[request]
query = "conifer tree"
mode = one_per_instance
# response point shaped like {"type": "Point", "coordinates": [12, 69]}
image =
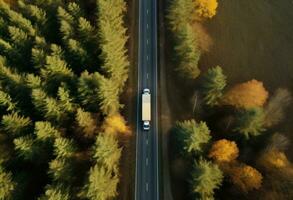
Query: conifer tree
{"type": "Point", "coordinates": [56, 192]}
{"type": "Point", "coordinates": [7, 186]}
{"type": "Point", "coordinates": [33, 12]}
{"type": "Point", "coordinates": [107, 152]}
{"type": "Point", "coordinates": [186, 48]}
{"type": "Point", "coordinates": [192, 136]}
{"type": "Point", "coordinates": [16, 19]}
{"type": "Point", "coordinates": [250, 122]}
{"type": "Point", "coordinates": [86, 122]}
{"type": "Point", "coordinates": [74, 9]}
{"type": "Point", "coordinates": [101, 184]}
{"type": "Point", "coordinates": [206, 177]}
{"type": "Point", "coordinates": [18, 37]}
{"type": "Point", "coordinates": [45, 131]}
{"type": "Point", "coordinates": [7, 102]}
{"type": "Point", "coordinates": [5, 47]}
{"type": "Point", "coordinates": [66, 21]}
{"type": "Point", "coordinates": [64, 148]}
{"type": "Point", "coordinates": [78, 53]}
{"type": "Point", "coordinates": [65, 101]}
{"type": "Point", "coordinates": [86, 31]}
{"type": "Point", "coordinates": [15, 124]}
{"type": "Point", "coordinates": [26, 147]}
{"type": "Point", "coordinates": [60, 169]}
{"type": "Point", "coordinates": [213, 84]}
{"type": "Point", "coordinates": [33, 81]}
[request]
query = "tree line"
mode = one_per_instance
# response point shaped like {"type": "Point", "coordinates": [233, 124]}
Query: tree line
{"type": "Point", "coordinates": [61, 75]}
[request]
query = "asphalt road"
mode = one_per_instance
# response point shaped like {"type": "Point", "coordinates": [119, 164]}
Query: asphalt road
{"type": "Point", "coordinates": [147, 168]}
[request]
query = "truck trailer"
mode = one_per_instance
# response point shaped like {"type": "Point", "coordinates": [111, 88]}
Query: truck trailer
{"type": "Point", "coordinates": [146, 109]}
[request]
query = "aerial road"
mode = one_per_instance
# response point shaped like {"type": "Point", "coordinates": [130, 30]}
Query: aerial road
{"type": "Point", "coordinates": [147, 167]}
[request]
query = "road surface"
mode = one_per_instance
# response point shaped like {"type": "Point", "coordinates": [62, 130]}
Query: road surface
{"type": "Point", "coordinates": [147, 168]}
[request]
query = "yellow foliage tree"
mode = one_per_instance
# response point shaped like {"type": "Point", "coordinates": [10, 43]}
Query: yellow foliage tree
{"type": "Point", "coordinates": [246, 95]}
{"type": "Point", "coordinates": [206, 8]}
{"type": "Point", "coordinates": [245, 177]}
{"type": "Point", "coordinates": [273, 159]}
{"type": "Point", "coordinates": [224, 151]}
{"type": "Point", "coordinates": [115, 124]}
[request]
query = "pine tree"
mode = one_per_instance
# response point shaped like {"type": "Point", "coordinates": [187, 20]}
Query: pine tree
{"type": "Point", "coordinates": [5, 47]}
{"type": "Point", "coordinates": [250, 122]}
{"type": "Point", "coordinates": [187, 50]}
{"type": "Point", "coordinates": [45, 131]}
{"type": "Point", "coordinates": [39, 53]}
{"type": "Point", "coordinates": [7, 186]}
{"type": "Point", "coordinates": [78, 53]}
{"type": "Point", "coordinates": [56, 192]}
{"type": "Point", "coordinates": [213, 84]}
{"type": "Point", "coordinates": [113, 38]}
{"type": "Point", "coordinates": [33, 81]}
{"type": "Point", "coordinates": [60, 169]}
{"type": "Point", "coordinates": [65, 101]}
{"type": "Point", "coordinates": [107, 152]}
{"type": "Point", "coordinates": [86, 122]}
{"type": "Point", "coordinates": [18, 37]}
{"type": "Point", "coordinates": [180, 12]}
{"type": "Point", "coordinates": [75, 10]}
{"type": "Point", "coordinates": [66, 24]}
{"type": "Point", "coordinates": [192, 136]}
{"type": "Point", "coordinates": [16, 19]}
{"type": "Point", "coordinates": [33, 12]}
{"type": "Point", "coordinates": [15, 124]}
{"type": "Point", "coordinates": [88, 91]}
{"type": "Point", "coordinates": [26, 147]}
{"type": "Point", "coordinates": [7, 102]}
{"type": "Point", "coordinates": [206, 177]}
{"type": "Point", "coordinates": [64, 148]}
{"type": "Point", "coordinates": [101, 184]}
{"type": "Point", "coordinates": [86, 31]}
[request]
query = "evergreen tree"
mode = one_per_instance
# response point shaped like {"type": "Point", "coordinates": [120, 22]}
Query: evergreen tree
{"type": "Point", "coordinates": [75, 10]}
{"type": "Point", "coordinates": [45, 131]}
{"type": "Point", "coordinates": [5, 47]}
{"type": "Point", "coordinates": [65, 101]}
{"type": "Point", "coordinates": [7, 102]}
{"type": "Point", "coordinates": [39, 53]}
{"type": "Point", "coordinates": [107, 152]}
{"type": "Point", "coordinates": [60, 169]}
{"type": "Point", "coordinates": [186, 48]}
{"type": "Point", "coordinates": [192, 136]}
{"type": "Point", "coordinates": [56, 192]}
{"type": "Point", "coordinates": [108, 96]}
{"type": "Point", "coordinates": [16, 19]}
{"type": "Point", "coordinates": [180, 13]}
{"type": "Point", "coordinates": [7, 186]}
{"type": "Point", "coordinates": [64, 148]}
{"type": "Point", "coordinates": [86, 31]}
{"type": "Point", "coordinates": [250, 122]}
{"type": "Point", "coordinates": [206, 177]}
{"type": "Point", "coordinates": [15, 124]}
{"type": "Point", "coordinates": [33, 81]}
{"type": "Point", "coordinates": [77, 52]}
{"type": "Point", "coordinates": [26, 147]}
{"type": "Point", "coordinates": [18, 37]}
{"type": "Point", "coordinates": [66, 23]}
{"type": "Point", "coordinates": [101, 184]}
{"type": "Point", "coordinates": [33, 12]}
{"type": "Point", "coordinates": [86, 122]}
{"type": "Point", "coordinates": [113, 38]}
{"type": "Point", "coordinates": [213, 84]}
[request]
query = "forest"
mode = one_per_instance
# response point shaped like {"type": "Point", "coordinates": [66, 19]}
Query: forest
{"type": "Point", "coordinates": [231, 147]}
{"type": "Point", "coordinates": [63, 68]}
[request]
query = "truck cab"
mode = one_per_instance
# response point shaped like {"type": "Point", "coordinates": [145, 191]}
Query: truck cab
{"type": "Point", "coordinates": [146, 109]}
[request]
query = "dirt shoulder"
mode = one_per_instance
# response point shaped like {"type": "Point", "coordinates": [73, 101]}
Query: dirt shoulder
{"type": "Point", "coordinates": [127, 180]}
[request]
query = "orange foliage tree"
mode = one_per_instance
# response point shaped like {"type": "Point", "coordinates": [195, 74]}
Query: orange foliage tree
{"type": "Point", "coordinates": [224, 151]}
{"type": "Point", "coordinates": [206, 8]}
{"type": "Point", "coordinates": [115, 124]}
{"type": "Point", "coordinates": [245, 177]}
{"type": "Point", "coordinates": [246, 95]}
{"type": "Point", "coordinates": [273, 159]}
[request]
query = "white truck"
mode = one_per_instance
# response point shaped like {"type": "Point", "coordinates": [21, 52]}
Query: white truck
{"type": "Point", "coordinates": [146, 109]}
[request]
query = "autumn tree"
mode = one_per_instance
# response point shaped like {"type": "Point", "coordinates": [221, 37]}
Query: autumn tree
{"type": "Point", "coordinates": [246, 95]}
{"type": "Point", "coordinates": [115, 124]}
{"type": "Point", "coordinates": [224, 151]}
{"type": "Point", "coordinates": [7, 185]}
{"type": "Point", "coordinates": [206, 8]}
{"type": "Point", "coordinates": [250, 122]}
{"type": "Point", "coordinates": [246, 177]}
{"type": "Point", "coordinates": [192, 136]}
{"type": "Point", "coordinates": [206, 177]}
{"type": "Point", "coordinates": [273, 159]}
{"type": "Point", "coordinates": [213, 84]}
